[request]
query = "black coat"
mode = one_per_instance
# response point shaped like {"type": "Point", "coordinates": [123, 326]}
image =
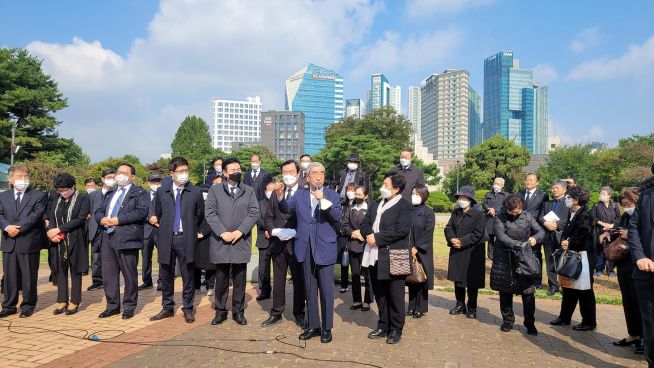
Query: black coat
{"type": "Point", "coordinates": [413, 175]}
{"type": "Point", "coordinates": [394, 225]}
{"type": "Point", "coordinates": [511, 235]}
{"type": "Point", "coordinates": [360, 178]}
{"type": "Point", "coordinates": [258, 184]}
{"type": "Point", "coordinates": [351, 221]}
{"type": "Point", "coordinates": [625, 263]}
{"type": "Point", "coordinates": [467, 265]}
{"type": "Point", "coordinates": [191, 214]}
{"type": "Point", "coordinates": [422, 237]}
{"type": "Point", "coordinates": [29, 217]}
{"type": "Point", "coordinates": [535, 203]}
{"type": "Point", "coordinates": [562, 212]}
{"type": "Point", "coordinates": [262, 242]}
{"type": "Point", "coordinates": [203, 249]}
{"type": "Point", "coordinates": [601, 212]}
{"type": "Point", "coordinates": [274, 218]}
{"type": "Point", "coordinates": [641, 229]}
{"type": "Point", "coordinates": [580, 234]}
{"type": "Point", "coordinates": [131, 217]}
{"type": "Point", "coordinates": [75, 233]}
{"type": "Point", "coordinates": [495, 201]}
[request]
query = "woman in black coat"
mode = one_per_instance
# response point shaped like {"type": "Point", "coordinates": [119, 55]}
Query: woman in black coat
{"type": "Point", "coordinates": [67, 229]}
{"type": "Point", "coordinates": [514, 229]}
{"type": "Point", "coordinates": [467, 262]}
{"type": "Point", "coordinates": [387, 227]}
{"type": "Point", "coordinates": [422, 246]}
{"type": "Point", "coordinates": [350, 226]}
{"type": "Point", "coordinates": [202, 261]}
{"type": "Point", "coordinates": [578, 236]}
{"type": "Point", "coordinates": [607, 217]}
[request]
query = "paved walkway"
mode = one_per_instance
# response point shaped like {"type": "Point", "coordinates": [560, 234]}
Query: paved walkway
{"type": "Point", "coordinates": [436, 340]}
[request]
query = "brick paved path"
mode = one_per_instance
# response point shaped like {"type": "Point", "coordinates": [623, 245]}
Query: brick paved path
{"type": "Point", "coordinates": [436, 340]}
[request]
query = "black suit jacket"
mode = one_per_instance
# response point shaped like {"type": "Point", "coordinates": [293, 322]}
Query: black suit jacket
{"type": "Point", "coordinates": [191, 213]}
{"type": "Point", "coordinates": [29, 216]}
{"type": "Point", "coordinates": [562, 212]}
{"type": "Point", "coordinates": [495, 201]}
{"type": "Point", "coordinates": [258, 184]}
{"type": "Point", "coordinates": [131, 216]}
{"type": "Point", "coordinates": [641, 228]}
{"type": "Point", "coordinates": [262, 242]}
{"type": "Point", "coordinates": [274, 218]}
{"type": "Point", "coordinates": [533, 206]}
{"type": "Point", "coordinates": [360, 178]}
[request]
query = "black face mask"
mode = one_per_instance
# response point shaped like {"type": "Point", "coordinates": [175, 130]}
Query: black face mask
{"type": "Point", "coordinates": [235, 177]}
{"type": "Point", "coordinates": [513, 217]}
{"type": "Point", "coordinates": [358, 201]}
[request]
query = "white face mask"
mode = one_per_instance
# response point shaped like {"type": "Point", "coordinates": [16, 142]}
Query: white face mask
{"type": "Point", "coordinates": [497, 188]}
{"type": "Point", "coordinates": [181, 179]}
{"type": "Point", "coordinates": [268, 194]}
{"type": "Point", "coordinates": [90, 190]}
{"type": "Point", "coordinates": [304, 165]}
{"type": "Point", "coordinates": [568, 202]}
{"type": "Point", "coordinates": [122, 180]}
{"type": "Point", "coordinates": [21, 184]}
{"type": "Point", "coordinates": [205, 195]}
{"type": "Point", "coordinates": [109, 183]}
{"type": "Point", "coordinates": [463, 203]}
{"type": "Point", "coordinates": [218, 169]}
{"type": "Point", "coordinates": [255, 166]}
{"type": "Point", "coordinates": [416, 199]}
{"type": "Point", "coordinates": [385, 193]}
{"type": "Point", "coordinates": [154, 187]}
{"type": "Point", "coordinates": [629, 210]}
{"type": "Point", "coordinates": [289, 180]}
{"type": "Point", "coordinates": [351, 195]}
{"type": "Point", "coordinates": [405, 162]}
{"type": "Point", "coordinates": [352, 166]}
{"type": "Point", "coordinates": [604, 198]}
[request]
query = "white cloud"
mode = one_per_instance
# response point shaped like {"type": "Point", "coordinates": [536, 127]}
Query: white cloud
{"type": "Point", "coordinates": [637, 62]}
{"type": "Point", "coordinates": [545, 73]}
{"type": "Point", "coordinates": [426, 8]}
{"type": "Point", "coordinates": [586, 39]}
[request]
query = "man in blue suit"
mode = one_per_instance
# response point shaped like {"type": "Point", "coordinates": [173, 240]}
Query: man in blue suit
{"type": "Point", "coordinates": [318, 212]}
{"type": "Point", "coordinates": [121, 215]}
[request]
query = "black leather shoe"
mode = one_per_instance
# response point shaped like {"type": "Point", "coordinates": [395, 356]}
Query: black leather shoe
{"type": "Point", "coordinates": [394, 337]}
{"type": "Point", "coordinates": [418, 315]}
{"type": "Point", "coordinates": [145, 286]}
{"type": "Point", "coordinates": [109, 313]}
{"type": "Point", "coordinates": [165, 313]}
{"type": "Point", "coordinates": [94, 287]}
{"type": "Point", "coordinates": [26, 314]}
{"type": "Point", "coordinates": [355, 306]}
{"type": "Point", "coordinates": [271, 321]}
{"type": "Point", "coordinates": [71, 311]}
{"type": "Point", "coordinates": [624, 342]}
{"type": "Point", "coordinates": [365, 307]}
{"type": "Point", "coordinates": [263, 297]}
{"type": "Point", "coordinates": [552, 290]}
{"type": "Point", "coordinates": [6, 313]}
{"type": "Point", "coordinates": [459, 309]}
{"type": "Point", "coordinates": [219, 318]}
{"type": "Point", "coordinates": [559, 322]}
{"type": "Point", "coordinates": [583, 327]}
{"type": "Point", "coordinates": [531, 330]}
{"type": "Point", "coordinates": [299, 320]}
{"type": "Point", "coordinates": [240, 318]}
{"type": "Point", "coordinates": [377, 334]}
{"type": "Point", "coordinates": [472, 313]}
{"type": "Point", "coordinates": [59, 311]}
{"type": "Point", "coordinates": [506, 327]}
{"type": "Point", "coordinates": [309, 333]}
{"type": "Point", "coordinates": [326, 336]}
{"type": "Point", "coordinates": [410, 312]}
{"type": "Point", "coordinates": [158, 287]}
{"type": "Point", "coordinates": [128, 314]}
{"type": "Point", "coordinates": [188, 316]}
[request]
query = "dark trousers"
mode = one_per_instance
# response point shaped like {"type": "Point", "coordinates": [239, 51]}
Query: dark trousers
{"type": "Point", "coordinates": [341, 248]}
{"type": "Point", "coordinates": [357, 270]}
{"type": "Point", "coordinates": [114, 262]}
{"type": "Point", "coordinates": [146, 263]}
{"type": "Point", "coordinates": [209, 278]}
{"type": "Point", "coordinates": [586, 299]}
{"type": "Point", "coordinates": [603, 263]}
{"type": "Point", "coordinates": [418, 297]}
{"type": "Point", "coordinates": [281, 263]}
{"type": "Point", "coordinates": [630, 302]}
{"type": "Point", "coordinates": [389, 296]}
{"type": "Point", "coordinates": [319, 278]}
{"type": "Point", "coordinates": [96, 262]}
{"type": "Point", "coordinates": [460, 295]}
{"type": "Point", "coordinates": [53, 262]}
{"type": "Point", "coordinates": [167, 276]}
{"type": "Point", "coordinates": [538, 252]}
{"type": "Point", "coordinates": [645, 291]}
{"type": "Point", "coordinates": [20, 273]}
{"type": "Point", "coordinates": [222, 286]}
{"type": "Point", "coordinates": [264, 271]}
{"type": "Point", "coordinates": [551, 276]}
{"type": "Point", "coordinates": [491, 244]}
{"type": "Point", "coordinates": [63, 268]}
{"type": "Point", "coordinates": [528, 308]}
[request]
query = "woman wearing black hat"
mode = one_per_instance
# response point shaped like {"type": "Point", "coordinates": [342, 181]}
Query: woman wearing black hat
{"type": "Point", "coordinates": [465, 237]}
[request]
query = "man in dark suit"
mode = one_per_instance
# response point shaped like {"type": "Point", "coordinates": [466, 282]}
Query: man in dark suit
{"type": "Point", "coordinates": [95, 231]}
{"type": "Point", "coordinates": [150, 235]}
{"type": "Point", "coordinates": [554, 228]}
{"type": "Point", "coordinates": [281, 249]}
{"type": "Point", "coordinates": [21, 222]}
{"type": "Point", "coordinates": [492, 204]}
{"type": "Point", "coordinates": [179, 209]}
{"type": "Point", "coordinates": [121, 214]}
{"type": "Point", "coordinates": [257, 177]}
{"type": "Point", "coordinates": [53, 255]}
{"type": "Point", "coordinates": [263, 245]}
{"type": "Point", "coordinates": [353, 173]}
{"type": "Point", "coordinates": [318, 213]}
{"type": "Point", "coordinates": [641, 244]}
{"type": "Point", "coordinates": [305, 160]}
{"type": "Point", "coordinates": [411, 173]}
{"type": "Point", "coordinates": [534, 199]}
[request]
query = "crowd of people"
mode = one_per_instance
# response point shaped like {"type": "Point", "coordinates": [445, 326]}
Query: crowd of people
{"type": "Point", "coordinates": [305, 225]}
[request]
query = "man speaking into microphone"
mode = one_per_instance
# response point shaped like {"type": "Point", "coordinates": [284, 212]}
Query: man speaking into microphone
{"type": "Point", "coordinates": [318, 212]}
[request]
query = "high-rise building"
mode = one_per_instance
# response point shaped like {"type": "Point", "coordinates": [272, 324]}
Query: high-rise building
{"type": "Point", "coordinates": [354, 107]}
{"type": "Point", "coordinates": [282, 132]}
{"type": "Point", "coordinates": [382, 94]}
{"type": "Point", "coordinates": [445, 115]}
{"type": "Point", "coordinates": [413, 111]}
{"type": "Point", "coordinates": [475, 128]}
{"type": "Point", "coordinates": [318, 93]}
{"type": "Point", "coordinates": [235, 121]}
{"type": "Point", "coordinates": [514, 107]}
{"type": "Point", "coordinates": [396, 99]}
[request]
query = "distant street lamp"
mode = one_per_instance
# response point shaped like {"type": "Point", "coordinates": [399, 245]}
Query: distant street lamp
{"type": "Point", "coordinates": [457, 175]}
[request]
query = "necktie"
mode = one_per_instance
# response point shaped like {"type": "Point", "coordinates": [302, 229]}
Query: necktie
{"type": "Point", "coordinates": [288, 193]}
{"type": "Point", "coordinates": [528, 197]}
{"type": "Point", "coordinates": [232, 190]}
{"type": "Point", "coordinates": [254, 174]}
{"type": "Point", "coordinates": [114, 211]}
{"type": "Point", "coordinates": [18, 199]}
{"type": "Point", "coordinates": [178, 216]}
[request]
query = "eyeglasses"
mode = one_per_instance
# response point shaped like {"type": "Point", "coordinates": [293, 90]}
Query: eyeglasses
{"type": "Point", "coordinates": [181, 172]}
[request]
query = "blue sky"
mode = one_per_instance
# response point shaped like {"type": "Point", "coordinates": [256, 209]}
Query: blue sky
{"type": "Point", "coordinates": [132, 69]}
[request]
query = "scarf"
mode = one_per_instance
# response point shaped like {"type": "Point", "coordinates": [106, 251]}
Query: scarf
{"type": "Point", "coordinates": [371, 254]}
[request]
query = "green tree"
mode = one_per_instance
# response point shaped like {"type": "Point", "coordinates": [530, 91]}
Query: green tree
{"type": "Point", "coordinates": [643, 139]}
{"type": "Point", "coordinates": [68, 153]}
{"type": "Point", "coordinates": [386, 125]}
{"type": "Point", "coordinates": [193, 142]}
{"type": "Point", "coordinates": [28, 99]}
{"type": "Point", "coordinates": [269, 161]}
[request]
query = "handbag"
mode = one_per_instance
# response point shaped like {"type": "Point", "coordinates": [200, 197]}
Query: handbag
{"type": "Point", "coordinates": [566, 263]}
{"type": "Point", "coordinates": [400, 262]}
{"type": "Point", "coordinates": [418, 275]}
{"type": "Point", "coordinates": [614, 250]}
{"type": "Point", "coordinates": [527, 265]}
